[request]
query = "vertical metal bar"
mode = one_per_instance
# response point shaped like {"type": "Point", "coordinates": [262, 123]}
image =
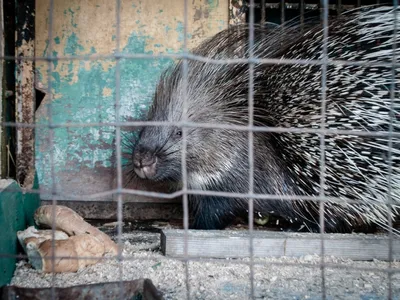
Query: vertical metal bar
{"type": "Point", "coordinates": [118, 142]}
{"type": "Point", "coordinates": [185, 73]}
{"type": "Point", "coordinates": [390, 146]}
{"type": "Point", "coordinates": [251, 150]}
{"type": "Point", "coordinates": [282, 11]}
{"type": "Point", "coordinates": [324, 66]}
{"type": "Point", "coordinates": [263, 12]}
{"type": "Point", "coordinates": [51, 143]}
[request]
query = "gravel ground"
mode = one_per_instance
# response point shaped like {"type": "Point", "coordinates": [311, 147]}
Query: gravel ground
{"type": "Point", "coordinates": [274, 278]}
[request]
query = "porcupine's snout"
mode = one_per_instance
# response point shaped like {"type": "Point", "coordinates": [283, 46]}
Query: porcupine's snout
{"type": "Point", "coordinates": [144, 163]}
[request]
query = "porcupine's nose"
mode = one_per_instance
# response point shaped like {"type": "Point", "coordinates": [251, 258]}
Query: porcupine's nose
{"type": "Point", "coordinates": [144, 163]}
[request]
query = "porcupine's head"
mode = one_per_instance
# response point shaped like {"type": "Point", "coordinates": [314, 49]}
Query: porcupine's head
{"type": "Point", "coordinates": [216, 93]}
{"type": "Point", "coordinates": [157, 155]}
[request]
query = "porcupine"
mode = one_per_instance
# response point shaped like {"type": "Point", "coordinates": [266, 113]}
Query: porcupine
{"type": "Point", "coordinates": [358, 97]}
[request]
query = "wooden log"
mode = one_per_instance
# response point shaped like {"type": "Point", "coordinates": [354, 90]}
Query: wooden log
{"type": "Point", "coordinates": [235, 244]}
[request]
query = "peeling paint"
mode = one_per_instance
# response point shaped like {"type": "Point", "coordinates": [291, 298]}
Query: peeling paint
{"type": "Point", "coordinates": [84, 91]}
{"type": "Point", "coordinates": [73, 45]}
{"type": "Point", "coordinates": [213, 3]}
{"type": "Point", "coordinates": [107, 92]}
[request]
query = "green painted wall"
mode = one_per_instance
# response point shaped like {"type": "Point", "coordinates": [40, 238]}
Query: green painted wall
{"type": "Point", "coordinates": [84, 91]}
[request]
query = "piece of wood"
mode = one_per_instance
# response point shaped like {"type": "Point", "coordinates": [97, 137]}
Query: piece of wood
{"type": "Point", "coordinates": [131, 211]}
{"type": "Point", "coordinates": [73, 224]}
{"type": "Point", "coordinates": [235, 244]}
{"type": "Point", "coordinates": [25, 92]}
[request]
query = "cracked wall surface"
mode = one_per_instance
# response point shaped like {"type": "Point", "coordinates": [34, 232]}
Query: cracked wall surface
{"type": "Point", "coordinates": [83, 91]}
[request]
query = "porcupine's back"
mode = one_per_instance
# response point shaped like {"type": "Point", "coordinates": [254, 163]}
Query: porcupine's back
{"type": "Point", "coordinates": [358, 98]}
{"type": "Point", "coordinates": [289, 95]}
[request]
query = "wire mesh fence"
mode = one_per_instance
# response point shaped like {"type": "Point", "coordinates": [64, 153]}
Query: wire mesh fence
{"type": "Point", "coordinates": [322, 130]}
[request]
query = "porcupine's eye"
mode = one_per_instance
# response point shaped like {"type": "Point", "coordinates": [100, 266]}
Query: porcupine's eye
{"type": "Point", "coordinates": [176, 134]}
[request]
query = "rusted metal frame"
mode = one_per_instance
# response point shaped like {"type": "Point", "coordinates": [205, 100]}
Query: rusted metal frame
{"type": "Point", "coordinates": [25, 91]}
{"type": "Point", "coordinates": [7, 141]}
{"type": "Point", "coordinates": [3, 158]}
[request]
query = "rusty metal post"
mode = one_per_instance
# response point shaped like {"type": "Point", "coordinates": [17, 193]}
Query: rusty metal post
{"type": "Point", "coordinates": [8, 90]}
{"type": "Point", "coordinates": [25, 91]}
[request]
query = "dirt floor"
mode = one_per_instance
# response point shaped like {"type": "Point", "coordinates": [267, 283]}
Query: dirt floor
{"type": "Point", "coordinates": [274, 278]}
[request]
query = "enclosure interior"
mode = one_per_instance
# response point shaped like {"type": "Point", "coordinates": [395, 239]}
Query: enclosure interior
{"type": "Point", "coordinates": [75, 162]}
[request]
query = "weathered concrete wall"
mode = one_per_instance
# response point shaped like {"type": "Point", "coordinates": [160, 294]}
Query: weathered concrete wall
{"type": "Point", "coordinates": [84, 91]}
